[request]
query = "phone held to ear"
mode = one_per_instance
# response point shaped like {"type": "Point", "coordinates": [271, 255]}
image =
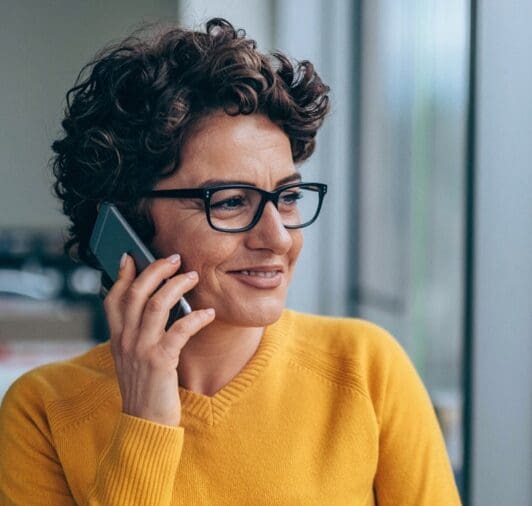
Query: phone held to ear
{"type": "Point", "coordinates": [111, 237]}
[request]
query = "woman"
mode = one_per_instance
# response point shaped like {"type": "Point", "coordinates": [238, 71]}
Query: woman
{"type": "Point", "coordinates": [241, 401]}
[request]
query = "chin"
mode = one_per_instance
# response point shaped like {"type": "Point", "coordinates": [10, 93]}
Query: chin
{"type": "Point", "coordinates": [247, 315]}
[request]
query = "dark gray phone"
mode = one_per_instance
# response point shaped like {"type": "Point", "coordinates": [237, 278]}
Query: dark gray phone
{"type": "Point", "coordinates": [111, 237]}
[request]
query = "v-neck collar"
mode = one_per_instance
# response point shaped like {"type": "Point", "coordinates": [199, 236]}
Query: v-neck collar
{"type": "Point", "coordinates": [212, 409]}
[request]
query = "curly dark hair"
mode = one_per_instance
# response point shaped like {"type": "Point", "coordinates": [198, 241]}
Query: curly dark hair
{"type": "Point", "coordinates": [131, 107]}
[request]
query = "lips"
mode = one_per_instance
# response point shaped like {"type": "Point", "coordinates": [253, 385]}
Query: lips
{"type": "Point", "coordinates": [258, 269]}
{"type": "Point", "coordinates": [260, 276]}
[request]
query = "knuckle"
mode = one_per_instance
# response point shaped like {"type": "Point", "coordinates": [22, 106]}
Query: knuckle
{"type": "Point", "coordinates": [121, 348]}
{"type": "Point", "coordinates": [187, 325]}
{"type": "Point", "coordinates": [108, 303]}
{"type": "Point", "coordinates": [155, 305]}
{"type": "Point", "coordinates": [133, 294]}
{"type": "Point", "coordinates": [190, 321]}
{"type": "Point", "coordinates": [179, 329]}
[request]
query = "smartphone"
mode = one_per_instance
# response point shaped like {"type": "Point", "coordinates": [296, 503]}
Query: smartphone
{"type": "Point", "coordinates": [111, 237]}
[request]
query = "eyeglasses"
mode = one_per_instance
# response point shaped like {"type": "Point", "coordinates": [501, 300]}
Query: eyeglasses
{"type": "Point", "coordinates": [239, 207]}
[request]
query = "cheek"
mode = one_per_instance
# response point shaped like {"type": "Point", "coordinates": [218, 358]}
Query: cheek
{"type": "Point", "coordinates": [193, 239]}
{"type": "Point", "coordinates": [207, 253]}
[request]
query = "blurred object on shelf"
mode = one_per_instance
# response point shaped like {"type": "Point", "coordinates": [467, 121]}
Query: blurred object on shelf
{"type": "Point", "coordinates": [49, 304]}
{"type": "Point", "coordinates": [45, 284]}
{"type": "Point", "coordinates": [23, 319]}
{"type": "Point", "coordinates": [84, 280]}
{"type": "Point", "coordinates": [28, 241]}
{"type": "Point", "coordinates": [33, 264]}
{"type": "Point", "coordinates": [36, 332]}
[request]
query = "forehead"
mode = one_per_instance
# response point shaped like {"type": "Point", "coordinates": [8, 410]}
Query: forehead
{"type": "Point", "coordinates": [247, 148]}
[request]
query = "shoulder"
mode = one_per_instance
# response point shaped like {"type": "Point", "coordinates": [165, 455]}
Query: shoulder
{"type": "Point", "coordinates": [353, 338]}
{"type": "Point", "coordinates": [353, 351]}
{"type": "Point", "coordinates": [47, 387]}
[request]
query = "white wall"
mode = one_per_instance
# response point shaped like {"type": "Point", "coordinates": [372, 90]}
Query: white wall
{"type": "Point", "coordinates": [502, 403]}
{"type": "Point", "coordinates": [255, 16]}
{"type": "Point", "coordinates": [43, 46]}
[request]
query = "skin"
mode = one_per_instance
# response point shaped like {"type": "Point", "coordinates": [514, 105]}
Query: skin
{"type": "Point", "coordinates": [200, 352]}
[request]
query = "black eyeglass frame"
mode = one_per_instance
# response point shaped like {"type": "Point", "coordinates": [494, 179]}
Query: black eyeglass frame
{"type": "Point", "coordinates": [206, 193]}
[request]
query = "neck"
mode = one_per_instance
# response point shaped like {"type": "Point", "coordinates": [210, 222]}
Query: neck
{"type": "Point", "coordinates": [215, 355]}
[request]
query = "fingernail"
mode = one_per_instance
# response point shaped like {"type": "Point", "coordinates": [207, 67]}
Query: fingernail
{"type": "Point", "coordinates": [173, 259]}
{"type": "Point", "coordinates": [192, 274]}
{"type": "Point", "coordinates": [210, 311]}
{"type": "Point", "coordinates": [123, 259]}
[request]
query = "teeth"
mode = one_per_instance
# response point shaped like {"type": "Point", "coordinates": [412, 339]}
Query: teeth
{"type": "Point", "coordinates": [260, 274]}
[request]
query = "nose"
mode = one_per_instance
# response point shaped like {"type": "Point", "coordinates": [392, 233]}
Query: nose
{"type": "Point", "coordinates": [269, 232]}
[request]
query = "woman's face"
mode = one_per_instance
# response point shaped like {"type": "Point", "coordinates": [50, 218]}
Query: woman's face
{"type": "Point", "coordinates": [243, 148]}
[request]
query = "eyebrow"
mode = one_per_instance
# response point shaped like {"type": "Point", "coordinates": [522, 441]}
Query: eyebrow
{"type": "Point", "coordinates": [296, 176]}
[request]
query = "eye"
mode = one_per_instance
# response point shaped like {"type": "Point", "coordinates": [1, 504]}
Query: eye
{"type": "Point", "coordinates": [229, 203]}
{"type": "Point", "coordinates": [291, 198]}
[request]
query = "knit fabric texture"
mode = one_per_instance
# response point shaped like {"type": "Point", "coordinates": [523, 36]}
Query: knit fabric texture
{"type": "Point", "coordinates": [328, 411]}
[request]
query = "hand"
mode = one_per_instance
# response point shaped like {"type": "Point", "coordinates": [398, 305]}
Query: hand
{"type": "Point", "coordinates": [146, 355]}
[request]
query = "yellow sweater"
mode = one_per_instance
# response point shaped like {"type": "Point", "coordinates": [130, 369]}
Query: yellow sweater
{"type": "Point", "coordinates": [329, 411]}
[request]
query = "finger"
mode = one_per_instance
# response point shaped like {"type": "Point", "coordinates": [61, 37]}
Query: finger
{"type": "Point", "coordinates": [113, 301]}
{"type": "Point", "coordinates": [157, 309]}
{"type": "Point", "coordinates": [141, 289]}
{"type": "Point", "coordinates": [183, 329]}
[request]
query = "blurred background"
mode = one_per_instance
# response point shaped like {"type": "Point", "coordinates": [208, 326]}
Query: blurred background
{"type": "Point", "coordinates": [427, 227]}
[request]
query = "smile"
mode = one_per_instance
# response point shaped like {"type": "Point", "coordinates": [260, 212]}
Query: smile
{"type": "Point", "coordinates": [259, 279]}
{"type": "Point", "coordinates": [260, 274]}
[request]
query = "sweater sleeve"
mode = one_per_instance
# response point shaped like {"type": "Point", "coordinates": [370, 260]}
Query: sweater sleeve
{"type": "Point", "coordinates": [413, 466]}
{"type": "Point", "coordinates": [140, 464]}
{"type": "Point", "coordinates": [30, 471]}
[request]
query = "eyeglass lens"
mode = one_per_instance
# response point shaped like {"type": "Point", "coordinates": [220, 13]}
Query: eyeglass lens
{"type": "Point", "coordinates": [235, 208]}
